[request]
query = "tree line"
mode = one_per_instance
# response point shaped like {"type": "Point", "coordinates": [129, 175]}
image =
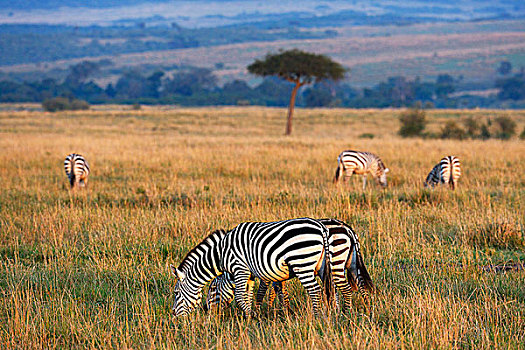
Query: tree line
{"type": "Point", "coordinates": [196, 86]}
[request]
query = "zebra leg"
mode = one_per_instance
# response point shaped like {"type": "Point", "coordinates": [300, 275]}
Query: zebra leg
{"type": "Point", "coordinates": [261, 292]}
{"type": "Point", "coordinates": [249, 292]}
{"type": "Point", "coordinates": [342, 285]}
{"type": "Point", "coordinates": [364, 182]}
{"type": "Point", "coordinates": [307, 279]}
{"type": "Point", "coordinates": [348, 173]}
{"type": "Point", "coordinates": [284, 298]}
{"type": "Point", "coordinates": [243, 296]}
{"type": "Point", "coordinates": [272, 294]}
{"type": "Point", "coordinates": [365, 293]}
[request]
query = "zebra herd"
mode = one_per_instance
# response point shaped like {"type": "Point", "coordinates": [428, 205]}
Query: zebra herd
{"type": "Point", "coordinates": [447, 171]}
{"type": "Point", "coordinates": [274, 252]}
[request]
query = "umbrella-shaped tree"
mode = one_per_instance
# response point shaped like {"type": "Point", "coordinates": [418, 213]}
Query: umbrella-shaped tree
{"type": "Point", "coordinates": [297, 67]}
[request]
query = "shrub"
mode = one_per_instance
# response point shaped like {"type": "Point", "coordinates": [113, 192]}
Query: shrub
{"type": "Point", "coordinates": [243, 102]}
{"type": "Point", "coordinates": [412, 122]}
{"type": "Point", "coordinates": [506, 126]}
{"type": "Point", "coordinates": [366, 135]}
{"type": "Point", "coordinates": [484, 133]}
{"type": "Point", "coordinates": [522, 135]}
{"type": "Point", "coordinates": [452, 130]}
{"type": "Point", "coordinates": [472, 128]}
{"type": "Point", "coordinates": [56, 104]}
{"type": "Point", "coordinates": [429, 105]}
{"type": "Point", "coordinates": [77, 105]}
{"type": "Point", "coordinates": [136, 106]}
{"type": "Point", "coordinates": [64, 104]}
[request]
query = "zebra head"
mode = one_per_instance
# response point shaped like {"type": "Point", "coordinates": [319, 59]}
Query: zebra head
{"type": "Point", "coordinates": [199, 266]}
{"type": "Point", "coordinates": [382, 176]}
{"type": "Point", "coordinates": [185, 299]}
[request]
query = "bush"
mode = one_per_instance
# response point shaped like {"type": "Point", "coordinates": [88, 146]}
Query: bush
{"type": "Point", "coordinates": [243, 102]}
{"type": "Point", "coordinates": [366, 135]}
{"type": "Point", "coordinates": [451, 130]}
{"type": "Point", "coordinates": [64, 104]}
{"type": "Point", "coordinates": [136, 106]}
{"type": "Point", "coordinates": [429, 105]}
{"type": "Point", "coordinates": [412, 122]}
{"type": "Point", "coordinates": [506, 126]}
{"type": "Point", "coordinates": [472, 128]}
{"type": "Point", "coordinates": [522, 135]}
{"type": "Point", "coordinates": [484, 133]}
{"type": "Point", "coordinates": [77, 105]}
{"type": "Point", "coordinates": [55, 104]}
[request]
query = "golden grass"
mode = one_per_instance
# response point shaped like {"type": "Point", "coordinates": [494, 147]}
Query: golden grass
{"type": "Point", "coordinates": [91, 270]}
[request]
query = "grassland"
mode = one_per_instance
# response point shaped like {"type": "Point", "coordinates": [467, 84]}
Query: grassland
{"type": "Point", "coordinates": [91, 269]}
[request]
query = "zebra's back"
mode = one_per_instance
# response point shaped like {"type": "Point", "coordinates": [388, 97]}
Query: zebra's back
{"type": "Point", "coordinates": [270, 248]}
{"type": "Point", "coordinates": [360, 161]}
{"type": "Point", "coordinates": [447, 171]}
{"type": "Point", "coordinates": [77, 169]}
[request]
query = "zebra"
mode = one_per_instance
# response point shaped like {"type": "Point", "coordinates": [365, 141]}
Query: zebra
{"type": "Point", "coordinates": [361, 163]}
{"type": "Point", "coordinates": [345, 256]}
{"type": "Point", "coordinates": [77, 170]}
{"type": "Point", "coordinates": [270, 251]}
{"type": "Point", "coordinates": [447, 171]}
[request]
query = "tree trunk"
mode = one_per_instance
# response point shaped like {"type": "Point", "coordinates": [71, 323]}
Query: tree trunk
{"type": "Point", "coordinates": [291, 107]}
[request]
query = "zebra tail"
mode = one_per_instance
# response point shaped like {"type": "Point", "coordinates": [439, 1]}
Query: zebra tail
{"type": "Point", "coordinates": [328, 280]}
{"type": "Point", "coordinates": [337, 173]}
{"type": "Point", "coordinates": [451, 180]}
{"type": "Point", "coordinates": [72, 177]}
{"type": "Point", "coordinates": [367, 280]}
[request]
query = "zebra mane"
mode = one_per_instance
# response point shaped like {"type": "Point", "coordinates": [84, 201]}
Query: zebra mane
{"type": "Point", "coordinates": [212, 239]}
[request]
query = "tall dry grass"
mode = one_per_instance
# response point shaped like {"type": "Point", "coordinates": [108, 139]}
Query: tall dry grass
{"type": "Point", "coordinates": [90, 269]}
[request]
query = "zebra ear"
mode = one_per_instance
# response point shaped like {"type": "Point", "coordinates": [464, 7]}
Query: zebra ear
{"type": "Point", "coordinates": [179, 274]}
{"type": "Point", "coordinates": [387, 170]}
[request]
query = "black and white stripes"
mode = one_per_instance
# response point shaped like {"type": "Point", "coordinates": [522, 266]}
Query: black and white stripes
{"type": "Point", "coordinates": [77, 170]}
{"type": "Point", "coordinates": [349, 272]}
{"type": "Point", "coordinates": [361, 163]}
{"type": "Point", "coordinates": [199, 266]}
{"type": "Point", "coordinates": [270, 251]}
{"type": "Point", "coordinates": [447, 171]}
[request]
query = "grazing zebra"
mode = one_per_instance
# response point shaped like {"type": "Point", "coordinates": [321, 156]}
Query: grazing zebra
{"type": "Point", "coordinates": [77, 170]}
{"type": "Point", "coordinates": [345, 257]}
{"type": "Point", "coordinates": [270, 251]}
{"type": "Point", "coordinates": [361, 163]}
{"type": "Point", "coordinates": [447, 171]}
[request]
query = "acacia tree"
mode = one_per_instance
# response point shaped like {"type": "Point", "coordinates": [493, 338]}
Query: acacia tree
{"type": "Point", "coordinates": [297, 67]}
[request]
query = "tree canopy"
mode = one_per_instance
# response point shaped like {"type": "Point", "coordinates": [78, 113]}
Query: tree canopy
{"type": "Point", "coordinates": [300, 68]}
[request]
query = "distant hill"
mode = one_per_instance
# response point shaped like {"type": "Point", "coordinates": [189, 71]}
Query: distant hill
{"type": "Point", "coordinates": [212, 13]}
{"type": "Point", "coordinates": [40, 39]}
{"type": "Point", "coordinates": [54, 4]}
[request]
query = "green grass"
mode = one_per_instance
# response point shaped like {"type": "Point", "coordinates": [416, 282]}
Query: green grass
{"type": "Point", "coordinates": [91, 269]}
